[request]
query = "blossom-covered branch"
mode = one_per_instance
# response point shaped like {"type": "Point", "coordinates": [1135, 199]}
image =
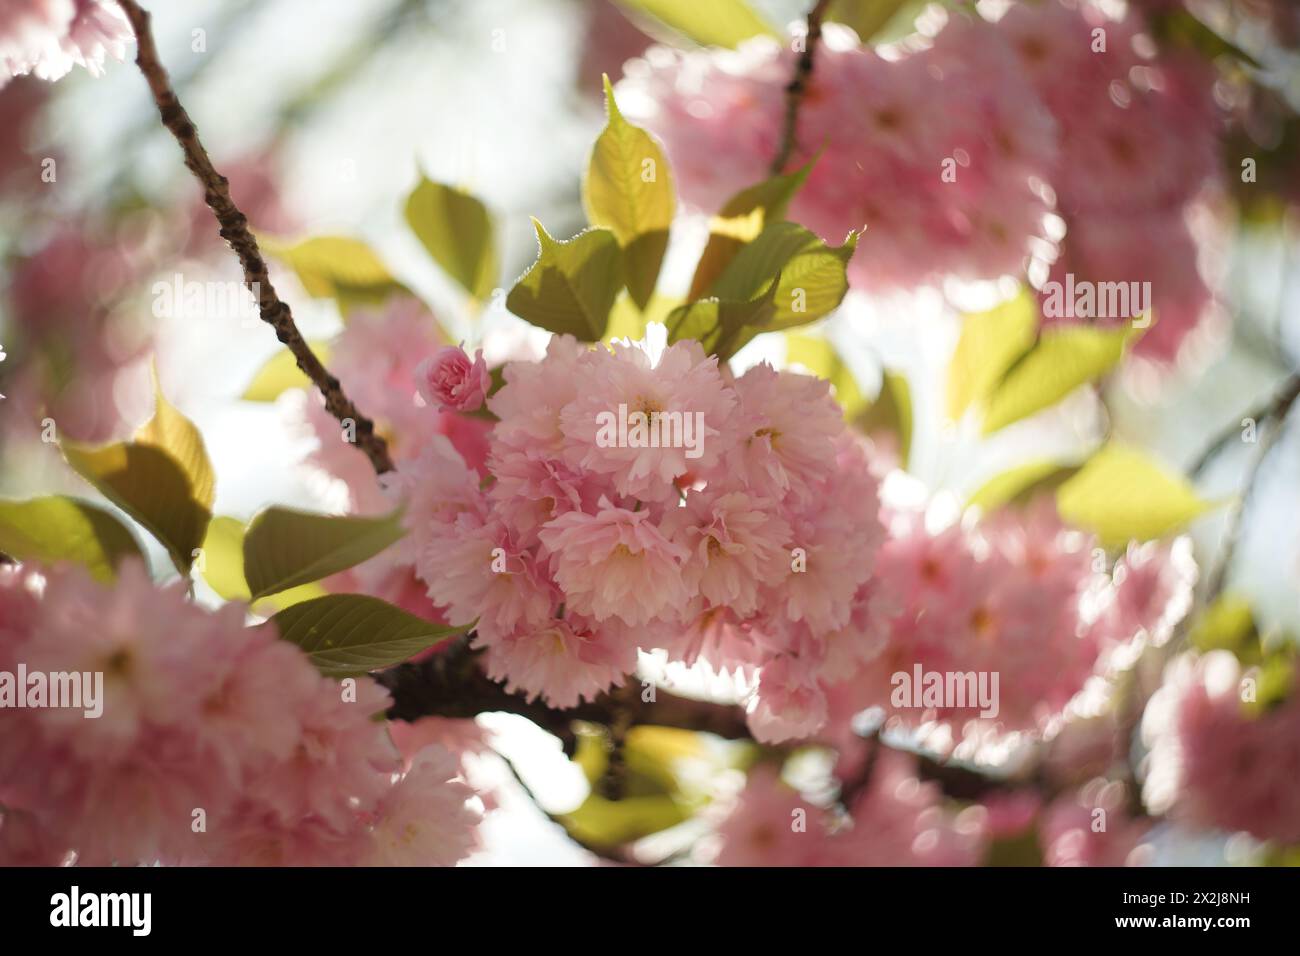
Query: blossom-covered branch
{"type": "Point", "coordinates": [234, 229]}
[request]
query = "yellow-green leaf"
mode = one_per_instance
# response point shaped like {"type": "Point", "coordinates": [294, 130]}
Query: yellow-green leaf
{"type": "Point", "coordinates": [284, 548]}
{"type": "Point", "coordinates": [173, 433]}
{"type": "Point", "coordinates": [629, 190]}
{"type": "Point", "coordinates": [337, 267]}
{"type": "Point", "coordinates": [55, 529]}
{"type": "Point", "coordinates": [1021, 483]}
{"type": "Point", "coordinates": [990, 343]}
{"type": "Point", "coordinates": [811, 277]}
{"type": "Point", "coordinates": [572, 285]}
{"type": "Point", "coordinates": [457, 230]}
{"type": "Point", "coordinates": [741, 220]}
{"type": "Point", "coordinates": [722, 327]}
{"type": "Point", "coordinates": [163, 479]}
{"type": "Point", "coordinates": [1064, 358]}
{"type": "Point", "coordinates": [150, 486]}
{"type": "Point", "coordinates": [610, 823]}
{"type": "Point", "coordinates": [709, 23]}
{"type": "Point", "coordinates": [281, 373]}
{"type": "Point", "coordinates": [869, 18]}
{"type": "Point", "coordinates": [351, 634]}
{"type": "Point", "coordinates": [1122, 495]}
{"type": "Point", "coordinates": [818, 355]}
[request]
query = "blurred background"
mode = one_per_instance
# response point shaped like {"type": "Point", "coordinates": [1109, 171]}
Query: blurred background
{"type": "Point", "coordinates": [324, 113]}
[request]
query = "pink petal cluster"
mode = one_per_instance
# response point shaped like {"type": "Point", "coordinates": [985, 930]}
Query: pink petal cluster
{"type": "Point", "coordinates": [952, 151]}
{"type": "Point", "coordinates": [1215, 764]}
{"type": "Point", "coordinates": [217, 743]}
{"type": "Point", "coordinates": [896, 820]}
{"type": "Point", "coordinates": [749, 545]}
{"type": "Point", "coordinates": [50, 37]}
{"type": "Point", "coordinates": [1017, 596]}
{"type": "Point", "coordinates": [1093, 827]}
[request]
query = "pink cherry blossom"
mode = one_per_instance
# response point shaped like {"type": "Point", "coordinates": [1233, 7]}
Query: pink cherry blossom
{"type": "Point", "coordinates": [450, 380]}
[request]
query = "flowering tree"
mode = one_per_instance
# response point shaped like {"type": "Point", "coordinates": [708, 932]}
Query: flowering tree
{"type": "Point", "coordinates": [782, 598]}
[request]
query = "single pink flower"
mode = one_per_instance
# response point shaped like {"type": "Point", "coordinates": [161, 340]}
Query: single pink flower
{"type": "Point", "coordinates": [450, 379]}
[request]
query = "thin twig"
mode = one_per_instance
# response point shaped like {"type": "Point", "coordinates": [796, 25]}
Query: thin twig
{"type": "Point", "coordinates": [1279, 404]}
{"type": "Point", "coordinates": [1277, 412]}
{"type": "Point", "coordinates": [798, 86]}
{"type": "Point", "coordinates": [234, 229]}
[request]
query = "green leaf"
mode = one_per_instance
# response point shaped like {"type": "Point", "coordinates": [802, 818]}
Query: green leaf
{"type": "Point", "coordinates": [54, 529]}
{"type": "Point", "coordinates": [712, 23]}
{"type": "Point", "coordinates": [572, 285]}
{"type": "Point", "coordinates": [870, 18]}
{"type": "Point", "coordinates": [163, 479]}
{"type": "Point", "coordinates": [741, 220]}
{"type": "Point", "coordinates": [1064, 358]}
{"type": "Point", "coordinates": [722, 327]}
{"type": "Point", "coordinates": [347, 635]}
{"type": "Point", "coordinates": [610, 823]}
{"type": "Point", "coordinates": [281, 373]}
{"type": "Point", "coordinates": [810, 276]}
{"type": "Point", "coordinates": [173, 433]}
{"type": "Point", "coordinates": [284, 548]}
{"type": "Point", "coordinates": [891, 412]}
{"type": "Point", "coordinates": [1123, 496]}
{"type": "Point", "coordinates": [1020, 484]}
{"type": "Point", "coordinates": [629, 190]}
{"type": "Point", "coordinates": [221, 564]}
{"type": "Point", "coordinates": [818, 355]}
{"type": "Point", "coordinates": [458, 232]}
{"type": "Point", "coordinates": [1228, 625]}
{"type": "Point", "coordinates": [989, 345]}
{"type": "Point", "coordinates": [337, 267]}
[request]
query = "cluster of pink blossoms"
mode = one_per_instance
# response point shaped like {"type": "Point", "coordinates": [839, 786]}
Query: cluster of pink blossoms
{"type": "Point", "coordinates": [896, 820]}
{"type": "Point", "coordinates": [951, 153]}
{"type": "Point", "coordinates": [749, 542]}
{"type": "Point", "coordinates": [1215, 764]}
{"type": "Point", "coordinates": [217, 743]}
{"type": "Point", "coordinates": [1017, 595]}
{"type": "Point", "coordinates": [50, 37]}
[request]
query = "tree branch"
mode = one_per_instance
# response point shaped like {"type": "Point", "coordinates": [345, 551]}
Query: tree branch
{"type": "Point", "coordinates": [234, 229]}
{"type": "Point", "coordinates": [1276, 411]}
{"type": "Point", "coordinates": [1276, 406]}
{"type": "Point", "coordinates": [798, 86]}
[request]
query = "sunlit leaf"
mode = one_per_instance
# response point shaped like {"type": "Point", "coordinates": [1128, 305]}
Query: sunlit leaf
{"type": "Point", "coordinates": [1021, 483]}
{"type": "Point", "coordinates": [1122, 495]}
{"type": "Point", "coordinates": [337, 267]}
{"type": "Point", "coordinates": [55, 529]}
{"type": "Point", "coordinates": [741, 220]}
{"type": "Point", "coordinates": [712, 23]}
{"type": "Point", "coordinates": [281, 373]}
{"type": "Point", "coordinates": [891, 412]}
{"type": "Point", "coordinates": [221, 564]}
{"type": "Point", "coordinates": [1064, 358]}
{"type": "Point", "coordinates": [629, 190]}
{"type": "Point", "coordinates": [457, 231]}
{"type": "Point", "coordinates": [572, 285]}
{"type": "Point", "coordinates": [990, 343]}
